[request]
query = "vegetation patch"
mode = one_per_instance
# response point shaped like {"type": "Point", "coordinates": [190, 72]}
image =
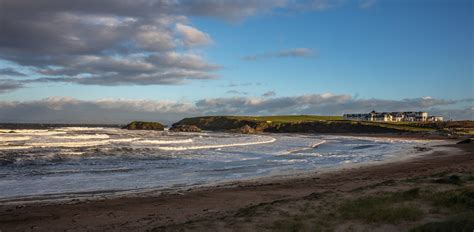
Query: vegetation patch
{"type": "Point", "coordinates": [458, 223]}
{"type": "Point", "coordinates": [288, 225]}
{"type": "Point", "coordinates": [387, 208]}
{"type": "Point", "coordinates": [453, 179]}
{"type": "Point", "coordinates": [459, 199]}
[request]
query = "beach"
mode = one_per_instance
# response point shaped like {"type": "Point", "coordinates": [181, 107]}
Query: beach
{"type": "Point", "coordinates": [262, 204]}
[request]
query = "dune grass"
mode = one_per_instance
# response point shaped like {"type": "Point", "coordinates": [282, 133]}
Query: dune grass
{"type": "Point", "coordinates": [386, 208]}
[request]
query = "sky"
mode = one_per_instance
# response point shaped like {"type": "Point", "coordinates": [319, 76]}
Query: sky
{"type": "Point", "coordinates": [112, 61]}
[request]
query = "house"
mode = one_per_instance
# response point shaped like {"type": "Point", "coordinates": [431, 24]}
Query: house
{"type": "Point", "coordinates": [393, 117]}
{"type": "Point", "coordinates": [435, 118]}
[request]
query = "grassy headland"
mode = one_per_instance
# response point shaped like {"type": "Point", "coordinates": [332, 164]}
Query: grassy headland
{"type": "Point", "coordinates": [324, 124]}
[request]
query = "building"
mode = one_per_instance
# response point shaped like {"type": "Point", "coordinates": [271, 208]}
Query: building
{"type": "Point", "coordinates": [393, 117]}
{"type": "Point", "coordinates": [435, 118]}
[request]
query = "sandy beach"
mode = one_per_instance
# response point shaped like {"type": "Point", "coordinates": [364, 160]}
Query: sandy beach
{"type": "Point", "coordinates": [265, 204]}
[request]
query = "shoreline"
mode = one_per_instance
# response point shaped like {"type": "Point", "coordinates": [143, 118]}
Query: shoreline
{"type": "Point", "coordinates": [153, 192]}
{"type": "Point", "coordinates": [145, 211]}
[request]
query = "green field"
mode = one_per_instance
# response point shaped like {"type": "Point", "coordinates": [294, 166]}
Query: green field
{"type": "Point", "coordinates": [289, 118]}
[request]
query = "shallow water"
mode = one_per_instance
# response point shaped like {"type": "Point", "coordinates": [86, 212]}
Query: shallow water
{"type": "Point", "coordinates": [75, 160]}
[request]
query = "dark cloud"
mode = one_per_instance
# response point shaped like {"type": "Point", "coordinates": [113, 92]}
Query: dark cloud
{"type": "Point", "coordinates": [123, 42]}
{"type": "Point", "coordinates": [64, 109]}
{"type": "Point", "coordinates": [114, 42]}
{"type": "Point", "coordinates": [9, 85]}
{"type": "Point", "coordinates": [269, 94]}
{"type": "Point", "coordinates": [294, 52]}
{"type": "Point", "coordinates": [10, 72]}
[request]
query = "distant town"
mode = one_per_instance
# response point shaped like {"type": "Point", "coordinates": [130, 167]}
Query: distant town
{"type": "Point", "coordinates": [394, 117]}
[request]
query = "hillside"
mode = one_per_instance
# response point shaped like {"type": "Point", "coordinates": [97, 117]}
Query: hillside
{"type": "Point", "coordinates": [322, 124]}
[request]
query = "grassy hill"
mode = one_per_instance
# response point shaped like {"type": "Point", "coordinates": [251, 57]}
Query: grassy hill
{"type": "Point", "coordinates": [323, 124]}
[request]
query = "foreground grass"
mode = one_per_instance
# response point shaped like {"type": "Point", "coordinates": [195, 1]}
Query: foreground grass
{"type": "Point", "coordinates": [389, 208]}
{"type": "Point", "coordinates": [458, 223]}
{"type": "Point", "coordinates": [440, 202]}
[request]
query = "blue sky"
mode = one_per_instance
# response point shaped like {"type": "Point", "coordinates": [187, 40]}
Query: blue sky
{"type": "Point", "coordinates": [383, 50]}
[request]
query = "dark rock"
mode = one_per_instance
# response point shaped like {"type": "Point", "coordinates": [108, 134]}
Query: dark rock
{"type": "Point", "coordinates": [246, 129]}
{"type": "Point", "coordinates": [465, 141]}
{"type": "Point", "coordinates": [139, 125]}
{"type": "Point", "coordinates": [185, 128]}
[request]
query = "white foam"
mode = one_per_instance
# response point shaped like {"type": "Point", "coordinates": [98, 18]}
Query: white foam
{"type": "Point", "coordinates": [35, 132]}
{"type": "Point", "coordinates": [164, 141]}
{"type": "Point", "coordinates": [271, 140]}
{"type": "Point", "coordinates": [91, 136]}
{"type": "Point", "coordinates": [14, 147]}
{"type": "Point", "coordinates": [71, 144]}
{"type": "Point", "coordinates": [314, 145]}
{"type": "Point", "coordinates": [14, 138]}
{"type": "Point", "coordinates": [80, 128]}
{"type": "Point", "coordinates": [124, 140]}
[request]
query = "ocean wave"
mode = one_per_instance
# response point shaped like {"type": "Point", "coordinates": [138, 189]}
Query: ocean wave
{"type": "Point", "coordinates": [312, 146]}
{"type": "Point", "coordinates": [71, 144]}
{"type": "Point", "coordinates": [79, 128]}
{"type": "Point", "coordinates": [163, 141]}
{"type": "Point", "coordinates": [124, 140]}
{"type": "Point", "coordinates": [271, 140]}
{"type": "Point", "coordinates": [14, 147]}
{"type": "Point", "coordinates": [35, 132]}
{"type": "Point", "coordinates": [86, 136]}
{"type": "Point", "coordinates": [14, 138]}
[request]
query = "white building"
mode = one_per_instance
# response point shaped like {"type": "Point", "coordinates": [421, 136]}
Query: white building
{"type": "Point", "coordinates": [393, 117]}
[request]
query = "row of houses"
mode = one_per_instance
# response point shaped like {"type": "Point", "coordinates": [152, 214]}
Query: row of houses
{"type": "Point", "coordinates": [394, 117]}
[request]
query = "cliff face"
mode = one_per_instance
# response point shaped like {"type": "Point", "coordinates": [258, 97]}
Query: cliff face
{"type": "Point", "coordinates": [224, 123]}
{"type": "Point", "coordinates": [139, 125]}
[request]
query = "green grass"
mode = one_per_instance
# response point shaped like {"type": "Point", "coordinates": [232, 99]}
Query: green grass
{"type": "Point", "coordinates": [386, 208]}
{"type": "Point", "coordinates": [289, 118]}
{"type": "Point", "coordinates": [405, 126]}
{"type": "Point", "coordinates": [459, 199]}
{"type": "Point", "coordinates": [457, 223]}
{"type": "Point", "coordinates": [288, 225]}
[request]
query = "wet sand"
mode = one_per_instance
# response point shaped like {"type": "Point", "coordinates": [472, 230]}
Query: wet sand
{"type": "Point", "coordinates": [216, 208]}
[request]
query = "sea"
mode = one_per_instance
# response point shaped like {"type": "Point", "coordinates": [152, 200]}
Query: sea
{"type": "Point", "coordinates": [75, 161]}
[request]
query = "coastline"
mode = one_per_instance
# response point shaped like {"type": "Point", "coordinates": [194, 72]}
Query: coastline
{"type": "Point", "coordinates": [434, 146]}
{"type": "Point", "coordinates": [151, 210]}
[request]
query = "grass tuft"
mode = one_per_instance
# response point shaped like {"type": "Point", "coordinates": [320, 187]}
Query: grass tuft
{"type": "Point", "coordinates": [458, 223]}
{"type": "Point", "coordinates": [455, 199]}
{"type": "Point", "coordinates": [385, 208]}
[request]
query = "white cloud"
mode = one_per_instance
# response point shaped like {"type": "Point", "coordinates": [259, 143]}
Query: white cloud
{"type": "Point", "coordinates": [193, 37]}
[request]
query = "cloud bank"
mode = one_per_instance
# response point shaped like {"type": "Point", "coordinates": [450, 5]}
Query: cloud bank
{"type": "Point", "coordinates": [70, 110]}
{"type": "Point", "coordinates": [123, 42]}
{"type": "Point", "coordinates": [113, 42]}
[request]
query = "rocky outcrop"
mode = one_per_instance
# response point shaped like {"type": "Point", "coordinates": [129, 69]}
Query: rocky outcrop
{"type": "Point", "coordinates": [139, 125]}
{"type": "Point", "coordinates": [246, 129]}
{"type": "Point", "coordinates": [185, 128]}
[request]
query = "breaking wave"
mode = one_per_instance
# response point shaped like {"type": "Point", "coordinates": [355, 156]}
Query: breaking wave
{"type": "Point", "coordinates": [91, 136]}
{"type": "Point", "coordinates": [71, 144]}
{"type": "Point", "coordinates": [271, 140]}
{"type": "Point", "coordinates": [163, 141]}
{"type": "Point", "coordinates": [14, 138]}
{"type": "Point", "coordinates": [14, 147]}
